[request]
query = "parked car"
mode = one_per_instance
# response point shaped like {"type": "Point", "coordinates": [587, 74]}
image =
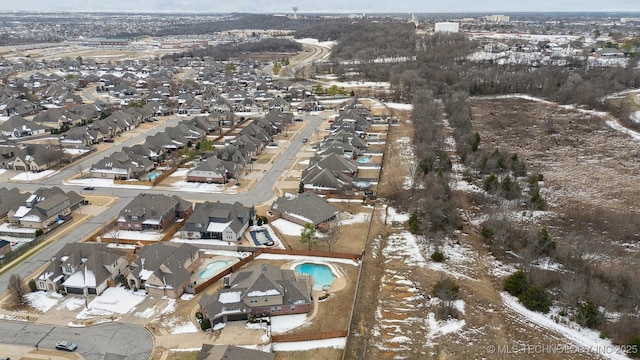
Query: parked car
{"type": "Point", "coordinates": [108, 140]}
{"type": "Point", "coordinates": [66, 345]}
{"type": "Point", "coordinates": [88, 188]}
{"type": "Point", "coordinates": [304, 140]}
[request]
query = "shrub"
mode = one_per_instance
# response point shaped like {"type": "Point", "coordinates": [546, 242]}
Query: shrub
{"type": "Point", "coordinates": [536, 298]}
{"type": "Point", "coordinates": [491, 183]}
{"type": "Point", "coordinates": [537, 201]}
{"type": "Point", "coordinates": [486, 232]}
{"type": "Point", "coordinates": [544, 244]}
{"type": "Point", "coordinates": [265, 220]}
{"type": "Point", "coordinates": [205, 324]}
{"type": "Point", "coordinates": [259, 221]}
{"type": "Point", "coordinates": [588, 314]}
{"type": "Point", "coordinates": [414, 223]}
{"type": "Point", "coordinates": [437, 256]}
{"type": "Point", "coordinates": [516, 283]}
{"type": "Point", "coordinates": [39, 232]}
{"type": "Point", "coordinates": [475, 142]}
{"type": "Point", "coordinates": [446, 289]}
{"type": "Point", "coordinates": [32, 285]}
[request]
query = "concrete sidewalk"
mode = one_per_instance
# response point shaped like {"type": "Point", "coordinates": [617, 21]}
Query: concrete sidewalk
{"type": "Point", "coordinates": [16, 352]}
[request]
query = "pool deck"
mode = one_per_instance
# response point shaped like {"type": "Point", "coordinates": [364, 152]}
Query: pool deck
{"type": "Point", "coordinates": [339, 283]}
{"type": "Point", "coordinates": [208, 260]}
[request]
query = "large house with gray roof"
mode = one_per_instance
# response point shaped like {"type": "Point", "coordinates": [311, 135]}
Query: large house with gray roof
{"type": "Point", "coordinates": [83, 268]}
{"type": "Point", "coordinates": [36, 157]}
{"type": "Point", "coordinates": [153, 212]}
{"type": "Point", "coordinates": [164, 269]}
{"type": "Point", "coordinates": [259, 290]}
{"type": "Point", "coordinates": [45, 207]}
{"type": "Point", "coordinates": [219, 221]}
{"type": "Point", "coordinates": [305, 208]}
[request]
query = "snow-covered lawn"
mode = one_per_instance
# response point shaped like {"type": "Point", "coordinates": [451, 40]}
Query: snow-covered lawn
{"type": "Point", "coordinates": [399, 106]}
{"type": "Point", "coordinates": [287, 227]}
{"type": "Point", "coordinates": [43, 301]}
{"type": "Point", "coordinates": [108, 183]}
{"type": "Point", "coordinates": [114, 300]}
{"type": "Point", "coordinates": [135, 235]}
{"type": "Point", "coordinates": [336, 343]}
{"type": "Point", "coordinates": [31, 176]}
{"type": "Point", "coordinates": [284, 323]}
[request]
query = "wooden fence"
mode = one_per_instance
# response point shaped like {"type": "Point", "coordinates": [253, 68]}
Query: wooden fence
{"type": "Point", "coordinates": [237, 266]}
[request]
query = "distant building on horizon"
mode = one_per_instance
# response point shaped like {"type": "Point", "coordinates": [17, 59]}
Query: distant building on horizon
{"type": "Point", "coordinates": [497, 18]}
{"type": "Point", "coordinates": [451, 27]}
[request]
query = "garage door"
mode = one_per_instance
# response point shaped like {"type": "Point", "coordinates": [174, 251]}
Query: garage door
{"type": "Point", "coordinates": [71, 290]}
{"type": "Point", "coordinates": [237, 317]}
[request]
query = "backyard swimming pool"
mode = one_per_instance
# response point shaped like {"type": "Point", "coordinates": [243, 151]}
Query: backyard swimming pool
{"type": "Point", "coordinates": [261, 237]}
{"type": "Point", "coordinates": [153, 175]}
{"type": "Point", "coordinates": [322, 275]}
{"type": "Point", "coordinates": [214, 268]}
{"type": "Point", "coordinates": [364, 159]}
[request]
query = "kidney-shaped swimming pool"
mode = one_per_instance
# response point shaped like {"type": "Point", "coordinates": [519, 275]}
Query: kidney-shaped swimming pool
{"type": "Point", "coordinates": [322, 275]}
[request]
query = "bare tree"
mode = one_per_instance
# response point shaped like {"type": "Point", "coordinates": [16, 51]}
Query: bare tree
{"type": "Point", "coordinates": [114, 233]}
{"type": "Point", "coordinates": [17, 289]}
{"type": "Point", "coordinates": [332, 235]}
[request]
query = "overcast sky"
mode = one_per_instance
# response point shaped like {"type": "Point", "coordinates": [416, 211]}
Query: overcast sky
{"type": "Point", "coordinates": [359, 6]}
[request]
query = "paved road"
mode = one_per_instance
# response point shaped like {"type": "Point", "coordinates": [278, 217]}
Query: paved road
{"type": "Point", "coordinates": [105, 341]}
{"type": "Point", "coordinates": [262, 192]}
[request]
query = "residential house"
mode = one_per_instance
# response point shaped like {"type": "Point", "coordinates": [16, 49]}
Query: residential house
{"type": "Point", "coordinates": [7, 154]}
{"type": "Point", "coordinates": [259, 290]}
{"type": "Point", "coordinates": [213, 170]}
{"type": "Point", "coordinates": [122, 166]}
{"type": "Point", "coordinates": [12, 106]}
{"type": "Point", "coordinates": [164, 269]}
{"type": "Point", "coordinates": [83, 268]}
{"type": "Point", "coordinates": [17, 127]}
{"type": "Point", "coordinates": [305, 208]}
{"type": "Point", "coordinates": [325, 181]}
{"type": "Point", "coordinates": [37, 157]}
{"type": "Point", "coordinates": [78, 137]}
{"type": "Point", "coordinates": [57, 118]}
{"type": "Point", "coordinates": [153, 212]}
{"type": "Point", "coordinates": [218, 221]}
{"type": "Point", "coordinates": [10, 199]}
{"type": "Point", "coordinates": [45, 207]}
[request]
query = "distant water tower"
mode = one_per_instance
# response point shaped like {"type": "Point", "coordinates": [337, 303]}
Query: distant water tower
{"type": "Point", "coordinates": [295, 12]}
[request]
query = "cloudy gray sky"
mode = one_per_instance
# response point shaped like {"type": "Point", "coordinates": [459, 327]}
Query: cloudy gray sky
{"type": "Point", "coordinates": [277, 6]}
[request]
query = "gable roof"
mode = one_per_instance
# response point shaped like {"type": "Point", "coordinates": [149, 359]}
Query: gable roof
{"type": "Point", "coordinates": [307, 206]}
{"type": "Point", "coordinates": [236, 215]}
{"type": "Point", "coordinates": [165, 262]}
{"type": "Point", "coordinates": [258, 281]}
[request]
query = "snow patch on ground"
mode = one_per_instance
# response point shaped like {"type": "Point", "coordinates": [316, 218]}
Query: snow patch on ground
{"type": "Point", "coordinates": [114, 300]}
{"type": "Point", "coordinates": [284, 323]}
{"type": "Point", "coordinates": [585, 338]}
{"type": "Point", "coordinates": [355, 219]}
{"type": "Point", "coordinates": [42, 301]}
{"type": "Point", "coordinates": [287, 227]}
{"type": "Point", "coordinates": [336, 343]}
